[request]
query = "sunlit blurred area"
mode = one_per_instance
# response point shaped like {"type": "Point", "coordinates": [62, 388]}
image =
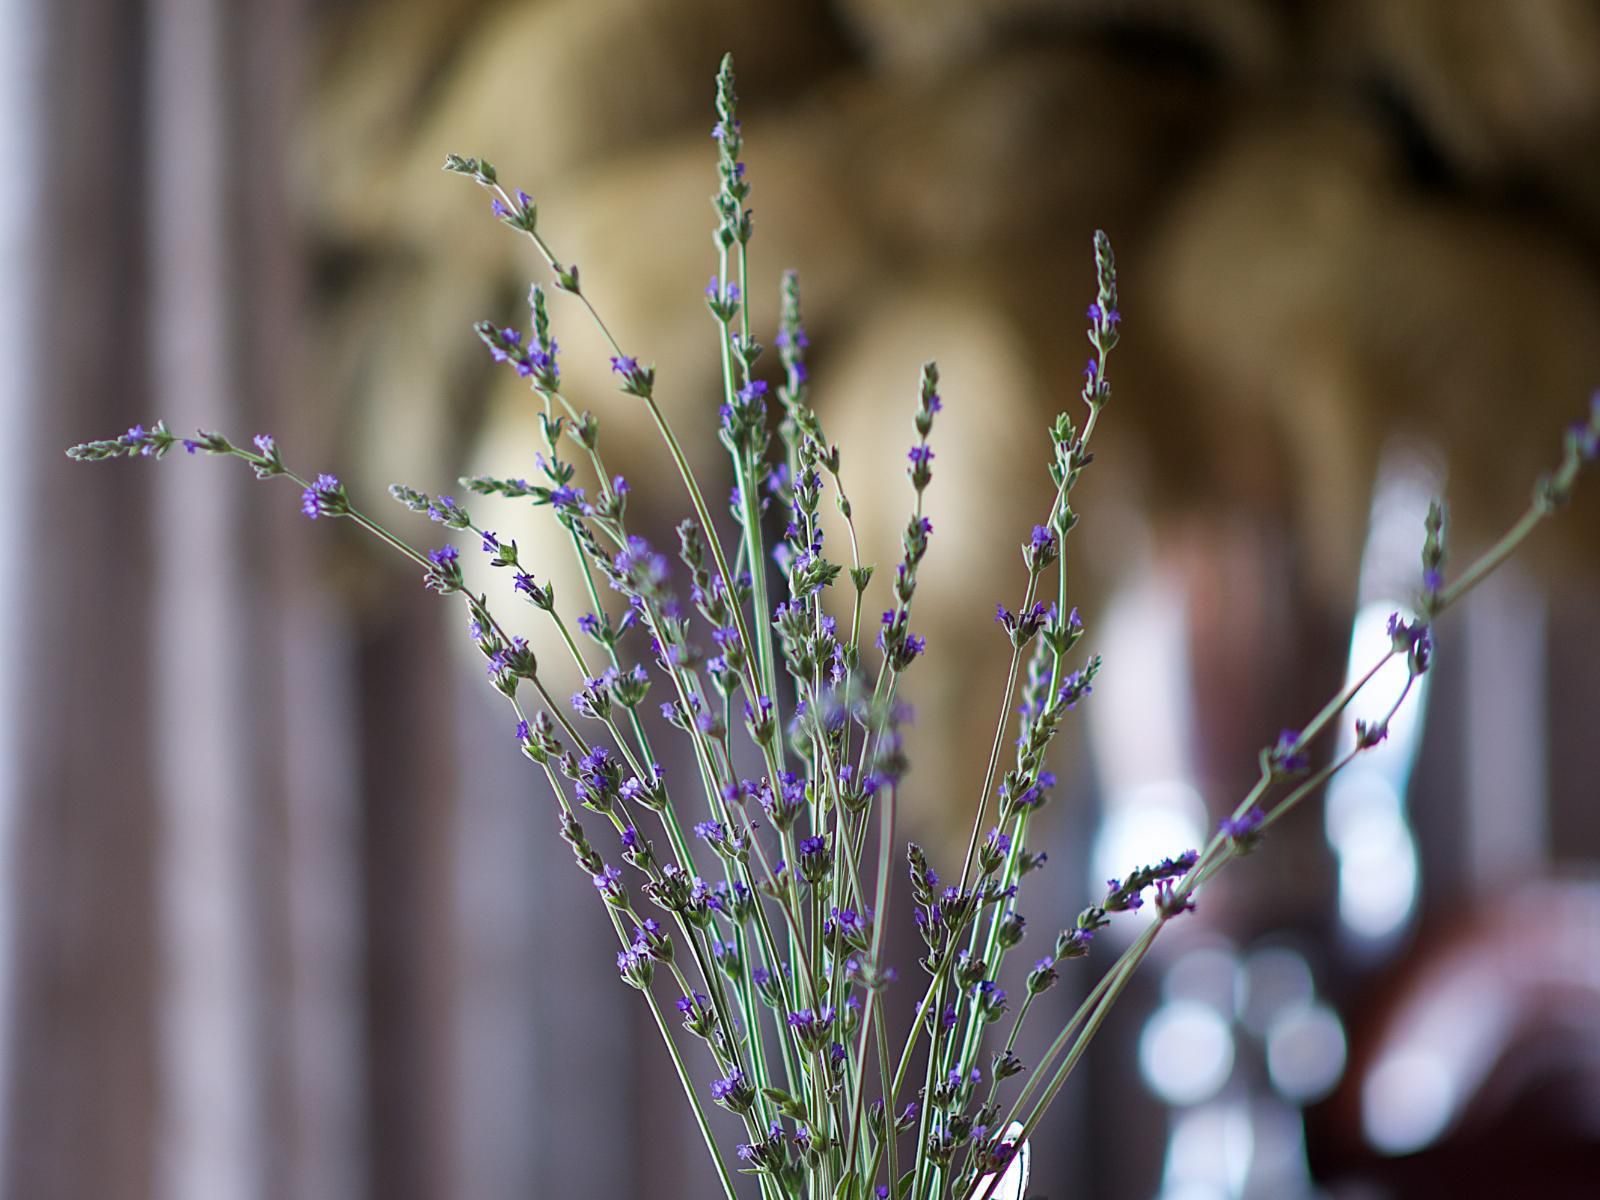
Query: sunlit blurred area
{"type": "Point", "coordinates": [284, 910]}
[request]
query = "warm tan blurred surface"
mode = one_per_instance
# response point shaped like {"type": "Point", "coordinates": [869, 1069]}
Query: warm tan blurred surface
{"type": "Point", "coordinates": [286, 917]}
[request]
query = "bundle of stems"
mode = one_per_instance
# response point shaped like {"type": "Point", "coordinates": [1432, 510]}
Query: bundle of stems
{"type": "Point", "coordinates": [754, 910]}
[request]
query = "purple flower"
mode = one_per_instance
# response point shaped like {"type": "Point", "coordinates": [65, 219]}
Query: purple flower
{"type": "Point", "coordinates": [635, 966]}
{"type": "Point", "coordinates": [325, 497]}
{"type": "Point", "coordinates": [815, 861]}
{"type": "Point", "coordinates": [443, 555]}
{"type": "Point", "coordinates": [1074, 943]}
{"type": "Point", "coordinates": [499, 209]}
{"type": "Point", "coordinates": [1587, 437]}
{"type": "Point", "coordinates": [732, 1091]}
{"type": "Point", "coordinates": [623, 364]}
{"type": "Point", "coordinates": [1288, 756]}
{"type": "Point", "coordinates": [1169, 902]}
{"type": "Point", "coordinates": [1413, 639]}
{"type": "Point", "coordinates": [920, 455]}
{"type": "Point", "coordinates": [522, 731]}
{"type": "Point", "coordinates": [609, 884]}
{"type": "Point", "coordinates": [1111, 316]}
{"type": "Point", "coordinates": [566, 496]}
{"type": "Point", "coordinates": [1239, 828]}
{"type": "Point", "coordinates": [264, 443]}
{"type": "Point", "coordinates": [507, 657]}
{"type": "Point", "coordinates": [1076, 687]}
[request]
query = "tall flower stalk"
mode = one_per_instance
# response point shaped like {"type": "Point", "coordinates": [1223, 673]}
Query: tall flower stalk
{"type": "Point", "coordinates": [757, 892]}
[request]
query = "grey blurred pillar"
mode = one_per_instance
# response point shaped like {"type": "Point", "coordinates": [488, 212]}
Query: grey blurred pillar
{"type": "Point", "coordinates": [81, 1063]}
{"type": "Point", "coordinates": [21, 193]}
{"type": "Point", "coordinates": [210, 995]}
{"type": "Point", "coordinates": [181, 967]}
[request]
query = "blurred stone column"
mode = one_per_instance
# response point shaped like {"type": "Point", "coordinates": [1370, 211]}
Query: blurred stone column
{"type": "Point", "coordinates": [259, 860]}
{"type": "Point", "coordinates": [81, 1062]}
{"type": "Point", "coordinates": [209, 994]}
{"type": "Point", "coordinates": [21, 84]}
{"type": "Point", "coordinates": [308, 833]}
{"type": "Point", "coordinates": [179, 941]}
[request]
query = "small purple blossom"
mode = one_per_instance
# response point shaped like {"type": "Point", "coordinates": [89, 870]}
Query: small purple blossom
{"type": "Point", "coordinates": [716, 293]}
{"type": "Point", "coordinates": [732, 1090]}
{"type": "Point", "coordinates": [1244, 826]}
{"type": "Point", "coordinates": [1169, 902]}
{"type": "Point", "coordinates": [325, 497]}
{"type": "Point", "coordinates": [609, 883]}
{"type": "Point", "coordinates": [566, 496]}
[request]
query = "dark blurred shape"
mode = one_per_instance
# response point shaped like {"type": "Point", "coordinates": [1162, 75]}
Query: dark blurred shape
{"type": "Point", "coordinates": [1476, 1071]}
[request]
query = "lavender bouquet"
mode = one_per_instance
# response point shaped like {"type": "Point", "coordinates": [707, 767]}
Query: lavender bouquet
{"type": "Point", "coordinates": [752, 899]}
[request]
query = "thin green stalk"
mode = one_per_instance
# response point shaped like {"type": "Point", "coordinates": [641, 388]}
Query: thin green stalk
{"type": "Point", "coordinates": [666, 1035]}
{"type": "Point", "coordinates": [1494, 556]}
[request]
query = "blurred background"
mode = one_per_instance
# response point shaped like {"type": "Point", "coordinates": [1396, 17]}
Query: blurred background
{"type": "Point", "coordinates": [282, 910]}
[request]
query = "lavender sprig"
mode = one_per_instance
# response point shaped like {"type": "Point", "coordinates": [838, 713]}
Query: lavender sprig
{"type": "Point", "coordinates": [1283, 761]}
